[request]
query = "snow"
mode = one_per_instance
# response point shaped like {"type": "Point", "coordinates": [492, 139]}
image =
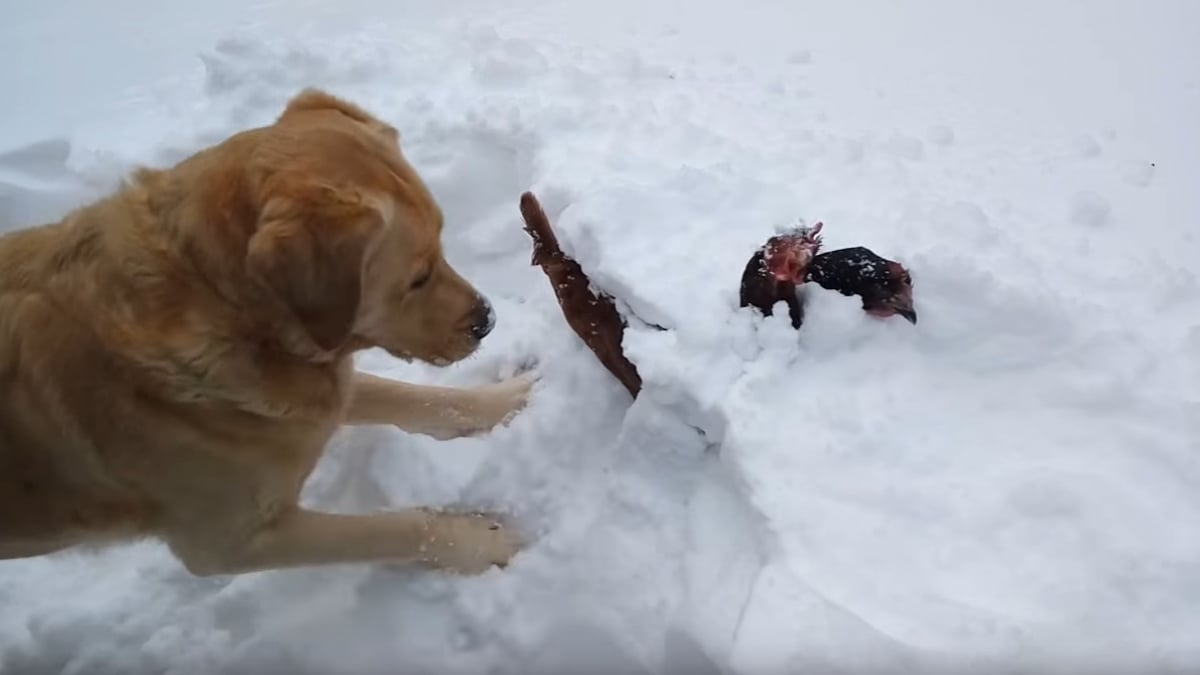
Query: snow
{"type": "Point", "coordinates": [1012, 484]}
{"type": "Point", "coordinates": [1090, 209]}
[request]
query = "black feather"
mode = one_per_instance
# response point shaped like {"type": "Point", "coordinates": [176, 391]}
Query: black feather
{"type": "Point", "coordinates": [856, 271]}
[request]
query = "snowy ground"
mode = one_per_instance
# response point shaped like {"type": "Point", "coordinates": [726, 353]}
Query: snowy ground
{"type": "Point", "coordinates": [1012, 485]}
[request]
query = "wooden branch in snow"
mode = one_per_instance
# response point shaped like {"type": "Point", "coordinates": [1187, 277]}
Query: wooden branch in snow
{"type": "Point", "coordinates": [594, 318]}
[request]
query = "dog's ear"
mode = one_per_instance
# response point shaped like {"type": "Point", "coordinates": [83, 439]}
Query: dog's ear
{"type": "Point", "coordinates": [311, 254]}
{"type": "Point", "coordinates": [312, 99]}
{"type": "Point", "coordinates": [316, 99]}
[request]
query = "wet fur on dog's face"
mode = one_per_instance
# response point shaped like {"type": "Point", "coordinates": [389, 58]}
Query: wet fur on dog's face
{"type": "Point", "coordinates": [349, 237]}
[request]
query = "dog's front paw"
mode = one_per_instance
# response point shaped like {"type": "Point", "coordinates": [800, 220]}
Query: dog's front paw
{"type": "Point", "coordinates": [499, 403]}
{"type": "Point", "coordinates": [474, 411]}
{"type": "Point", "coordinates": [470, 543]}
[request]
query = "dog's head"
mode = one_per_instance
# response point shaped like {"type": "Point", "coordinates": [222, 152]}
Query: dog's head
{"type": "Point", "coordinates": [348, 238]}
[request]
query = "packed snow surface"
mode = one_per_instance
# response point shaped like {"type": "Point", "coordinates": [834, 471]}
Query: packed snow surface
{"type": "Point", "coordinates": [1011, 485]}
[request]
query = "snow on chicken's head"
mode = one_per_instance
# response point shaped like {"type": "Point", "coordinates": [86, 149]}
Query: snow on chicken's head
{"type": "Point", "coordinates": [788, 255]}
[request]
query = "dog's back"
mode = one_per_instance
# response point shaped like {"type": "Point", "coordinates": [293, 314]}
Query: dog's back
{"type": "Point", "coordinates": [54, 488]}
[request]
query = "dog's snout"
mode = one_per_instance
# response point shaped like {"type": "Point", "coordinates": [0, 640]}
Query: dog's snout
{"type": "Point", "coordinates": [484, 319]}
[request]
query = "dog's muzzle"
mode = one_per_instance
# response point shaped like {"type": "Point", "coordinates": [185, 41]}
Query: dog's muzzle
{"type": "Point", "coordinates": [484, 319]}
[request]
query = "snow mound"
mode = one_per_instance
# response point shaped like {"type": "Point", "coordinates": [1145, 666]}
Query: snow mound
{"type": "Point", "coordinates": [1011, 483]}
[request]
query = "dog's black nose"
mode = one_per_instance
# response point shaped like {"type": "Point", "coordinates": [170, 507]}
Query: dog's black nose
{"type": "Point", "coordinates": [485, 319]}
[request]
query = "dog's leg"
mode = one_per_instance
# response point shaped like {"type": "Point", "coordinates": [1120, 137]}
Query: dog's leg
{"type": "Point", "coordinates": [459, 542]}
{"type": "Point", "coordinates": [440, 412]}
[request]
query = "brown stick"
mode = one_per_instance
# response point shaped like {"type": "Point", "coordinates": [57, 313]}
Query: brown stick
{"type": "Point", "coordinates": [593, 318]}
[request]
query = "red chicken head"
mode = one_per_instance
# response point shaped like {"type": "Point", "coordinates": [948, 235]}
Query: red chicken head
{"type": "Point", "coordinates": [788, 255]}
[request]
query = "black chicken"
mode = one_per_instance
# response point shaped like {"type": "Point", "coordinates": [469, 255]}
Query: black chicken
{"type": "Point", "coordinates": [884, 285]}
{"type": "Point", "coordinates": [786, 261]}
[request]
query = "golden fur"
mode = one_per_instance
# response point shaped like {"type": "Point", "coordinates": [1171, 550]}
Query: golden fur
{"type": "Point", "coordinates": [175, 357]}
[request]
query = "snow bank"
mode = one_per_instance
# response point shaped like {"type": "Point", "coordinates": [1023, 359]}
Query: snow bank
{"type": "Point", "coordinates": [1013, 482]}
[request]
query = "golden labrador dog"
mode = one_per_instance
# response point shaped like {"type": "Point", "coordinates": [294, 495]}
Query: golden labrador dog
{"type": "Point", "coordinates": [175, 357]}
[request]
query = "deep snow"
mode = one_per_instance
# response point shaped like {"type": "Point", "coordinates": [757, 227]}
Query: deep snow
{"type": "Point", "coordinates": [1013, 484]}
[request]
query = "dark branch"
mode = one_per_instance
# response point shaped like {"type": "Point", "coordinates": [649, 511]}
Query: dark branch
{"type": "Point", "coordinates": [594, 319]}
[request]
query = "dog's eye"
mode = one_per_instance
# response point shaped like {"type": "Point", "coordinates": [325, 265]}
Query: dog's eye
{"type": "Point", "coordinates": [421, 280]}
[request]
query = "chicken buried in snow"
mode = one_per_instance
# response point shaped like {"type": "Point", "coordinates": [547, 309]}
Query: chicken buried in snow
{"type": "Point", "coordinates": [779, 267]}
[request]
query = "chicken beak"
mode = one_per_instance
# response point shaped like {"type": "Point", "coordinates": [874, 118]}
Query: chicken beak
{"type": "Point", "coordinates": [901, 302]}
{"type": "Point", "coordinates": [902, 305]}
